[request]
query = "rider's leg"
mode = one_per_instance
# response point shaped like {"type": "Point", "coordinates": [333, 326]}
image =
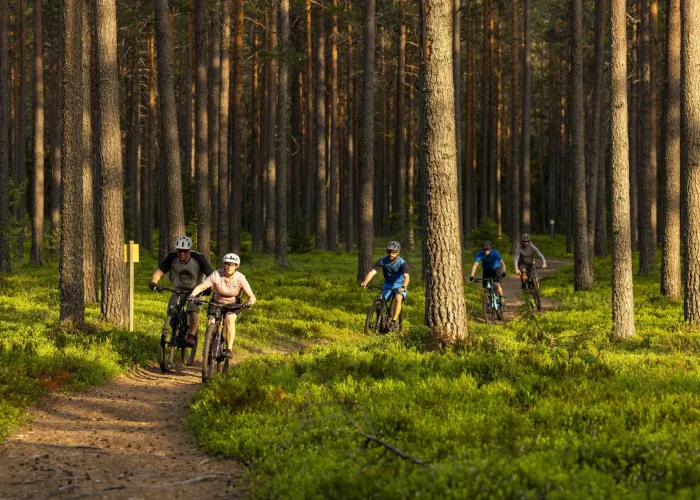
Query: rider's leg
{"type": "Point", "coordinates": [230, 329]}
{"type": "Point", "coordinates": [166, 326]}
{"type": "Point", "coordinates": [397, 306]}
{"type": "Point", "coordinates": [193, 317]}
{"type": "Point", "coordinates": [497, 286]}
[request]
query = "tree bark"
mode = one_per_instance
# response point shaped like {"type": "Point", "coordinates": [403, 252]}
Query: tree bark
{"type": "Point", "coordinates": [71, 298]}
{"type": "Point", "coordinates": [515, 127]}
{"type": "Point", "coordinates": [55, 208]}
{"type": "Point", "coordinates": [596, 149]}
{"type": "Point", "coordinates": [222, 202]}
{"type": "Point", "coordinates": [237, 145]}
{"type": "Point", "coordinates": [583, 270]}
{"type": "Point", "coordinates": [400, 156]}
{"type": "Point", "coordinates": [456, 78]}
{"type": "Point", "coordinates": [671, 260]}
{"type": "Point", "coordinates": [213, 121]}
{"type": "Point", "coordinates": [5, 266]}
{"type": "Point", "coordinates": [366, 159]}
{"type": "Point", "coordinates": [201, 141]}
{"type": "Point", "coordinates": [271, 124]}
{"type": "Point", "coordinates": [36, 255]}
{"type": "Point", "coordinates": [150, 179]}
{"type": "Point", "coordinates": [410, 174]}
{"type": "Point", "coordinates": [133, 149]}
{"type": "Point", "coordinates": [647, 238]}
{"type": "Point", "coordinates": [445, 311]}
{"type": "Point", "coordinates": [21, 138]}
{"type": "Point", "coordinates": [255, 146]}
{"type": "Point", "coordinates": [333, 205]}
{"type": "Point", "coordinates": [350, 144]}
{"type": "Point", "coordinates": [282, 140]}
{"type": "Point", "coordinates": [690, 155]}
{"type": "Point", "coordinates": [527, 106]}
{"type": "Point", "coordinates": [189, 106]}
{"type": "Point", "coordinates": [634, 139]}
{"type": "Point", "coordinates": [170, 150]}
{"type": "Point", "coordinates": [310, 144]}
{"type": "Point", "coordinates": [622, 288]}
{"type": "Point", "coordinates": [320, 99]}
{"type": "Point", "coordinates": [114, 293]}
{"type": "Point", "coordinates": [89, 230]}
{"type": "Point", "coordinates": [483, 174]}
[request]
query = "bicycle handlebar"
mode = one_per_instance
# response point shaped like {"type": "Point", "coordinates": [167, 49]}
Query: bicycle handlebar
{"type": "Point", "coordinates": [233, 307]}
{"type": "Point", "coordinates": [166, 289]}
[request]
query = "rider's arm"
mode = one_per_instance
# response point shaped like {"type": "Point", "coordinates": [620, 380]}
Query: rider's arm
{"type": "Point", "coordinates": [248, 291]}
{"type": "Point", "coordinates": [474, 266]}
{"type": "Point", "coordinates": [406, 280]}
{"type": "Point", "coordinates": [157, 275]}
{"type": "Point", "coordinates": [369, 277]}
{"type": "Point", "coordinates": [503, 266]}
{"type": "Point", "coordinates": [204, 265]}
{"type": "Point", "coordinates": [207, 283]}
{"type": "Point", "coordinates": [163, 267]}
{"type": "Point", "coordinates": [539, 254]}
{"type": "Point", "coordinates": [516, 258]}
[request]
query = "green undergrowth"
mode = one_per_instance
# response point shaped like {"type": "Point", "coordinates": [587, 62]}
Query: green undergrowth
{"type": "Point", "coordinates": [551, 405]}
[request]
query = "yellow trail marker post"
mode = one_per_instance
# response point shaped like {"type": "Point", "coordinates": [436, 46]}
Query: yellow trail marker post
{"type": "Point", "coordinates": [131, 255]}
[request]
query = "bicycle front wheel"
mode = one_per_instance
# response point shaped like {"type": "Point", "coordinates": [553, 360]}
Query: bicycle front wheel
{"type": "Point", "coordinates": [536, 294]}
{"type": "Point", "coordinates": [375, 318]}
{"type": "Point", "coordinates": [499, 309]}
{"type": "Point", "coordinates": [486, 305]}
{"type": "Point", "coordinates": [207, 352]}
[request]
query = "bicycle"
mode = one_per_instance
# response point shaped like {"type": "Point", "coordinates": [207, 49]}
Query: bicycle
{"type": "Point", "coordinates": [491, 302]}
{"type": "Point", "coordinates": [215, 339]}
{"type": "Point", "coordinates": [178, 336]}
{"type": "Point", "coordinates": [381, 312]}
{"type": "Point", "coordinates": [533, 285]}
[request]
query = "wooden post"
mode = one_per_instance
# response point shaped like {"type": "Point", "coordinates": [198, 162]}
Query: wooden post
{"type": "Point", "coordinates": [131, 285]}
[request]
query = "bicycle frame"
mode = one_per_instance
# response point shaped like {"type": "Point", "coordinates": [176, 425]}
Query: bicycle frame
{"type": "Point", "coordinates": [386, 308]}
{"type": "Point", "coordinates": [215, 340]}
{"type": "Point", "coordinates": [491, 298]}
{"type": "Point", "coordinates": [179, 328]}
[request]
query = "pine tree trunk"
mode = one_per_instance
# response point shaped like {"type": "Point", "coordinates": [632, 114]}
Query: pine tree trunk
{"type": "Point", "coordinates": [483, 174]}
{"type": "Point", "coordinates": [90, 255]}
{"type": "Point", "coordinates": [5, 266]}
{"type": "Point", "coordinates": [55, 194]}
{"type": "Point", "coordinates": [583, 277]}
{"type": "Point", "coordinates": [596, 150]}
{"type": "Point", "coordinates": [456, 78]}
{"type": "Point", "coordinates": [151, 178]}
{"type": "Point", "coordinates": [320, 97]}
{"type": "Point", "coordinates": [237, 145]}
{"type": "Point", "coordinates": [445, 311]}
{"type": "Point", "coordinates": [170, 149]}
{"type": "Point", "coordinates": [201, 140]}
{"type": "Point", "coordinates": [366, 158]}
{"type": "Point", "coordinates": [72, 305]}
{"type": "Point", "coordinates": [410, 175]}
{"type": "Point", "coordinates": [400, 159]}
{"type": "Point", "coordinates": [189, 106]}
{"type": "Point", "coordinates": [333, 205]}
{"type": "Point", "coordinates": [514, 214]}
{"type": "Point", "coordinates": [21, 145]}
{"type": "Point", "coordinates": [350, 144]}
{"type": "Point", "coordinates": [492, 153]}
{"type": "Point", "coordinates": [133, 149]}
{"type": "Point", "coordinates": [690, 155]}
{"type": "Point", "coordinates": [634, 138]}
{"type": "Point", "coordinates": [256, 228]}
{"type": "Point", "coordinates": [222, 199]}
{"type": "Point", "coordinates": [213, 121]}
{"type": "Point", "coordinates": [114, 293]}
{"type": "Point", "coordinates": [601, 225]}
{"type": "Point", "coordinates": [647, 239]}
{"type": "Point", "coordinates": [36, 255]}
{"type": "Point", "coordinates": [271, 124]}
{"type": "Point", "coordinates": [527, 106]}
{"type": "Point", "coordinates": [671, 260]}
{"type": "Point", "coordinates": [622, 289]}
{"type": "Point", "coordinates": [310, 143]}
{"type": "Point", "coordinates": [282, 140]}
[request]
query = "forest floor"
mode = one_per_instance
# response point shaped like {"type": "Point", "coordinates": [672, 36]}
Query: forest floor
{"type": "Point", "coordinates": [126, 439]}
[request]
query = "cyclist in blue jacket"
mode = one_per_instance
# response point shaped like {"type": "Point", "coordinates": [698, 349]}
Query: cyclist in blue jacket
{"type": "Point", "coordinates": [396, 277]}
{"type": "Point", "coordinates": [491, 263]}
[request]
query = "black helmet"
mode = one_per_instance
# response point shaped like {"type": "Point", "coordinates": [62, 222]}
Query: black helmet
{"type": "Point", "coordinates": [486, 245]}
{"type": "Point", "coordinates": [525, 237]}
{"type": "Point", "coordinates": [394, 245]}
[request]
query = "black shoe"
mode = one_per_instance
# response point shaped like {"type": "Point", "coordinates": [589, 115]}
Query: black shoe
{"type": "Point", "coordinates": [228, 354]}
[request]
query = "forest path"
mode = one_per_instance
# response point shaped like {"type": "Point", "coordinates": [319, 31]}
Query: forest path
{"type": "Point", "coordinates": [125, 439]}
{"type": "Point", "coordinates": [512, 290]}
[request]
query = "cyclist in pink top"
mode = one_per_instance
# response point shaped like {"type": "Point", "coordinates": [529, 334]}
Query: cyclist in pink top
{"type": "Point", "coordinates": [228, 285]}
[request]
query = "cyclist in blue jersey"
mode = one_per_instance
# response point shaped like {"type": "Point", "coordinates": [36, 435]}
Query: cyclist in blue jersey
{"type": "Point", "coordinates": [396, 277]}
{"type": "Point", "coordinates": [491, 262]}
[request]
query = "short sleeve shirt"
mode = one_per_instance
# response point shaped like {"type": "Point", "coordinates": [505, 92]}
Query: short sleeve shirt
{"type": "Point", "coordinates": [393, 272]}
{"type": "Point", "coordinates": [229, 291]}
{"type": "Point", "coordinates": [491, 261]}
{"type": "Point", "coordinates": [185, 276]}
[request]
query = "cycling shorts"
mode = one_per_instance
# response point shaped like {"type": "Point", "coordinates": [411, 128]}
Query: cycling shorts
{"type": "Point", "coordinates": [491, 273]}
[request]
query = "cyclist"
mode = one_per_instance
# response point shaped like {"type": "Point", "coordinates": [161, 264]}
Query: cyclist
{"type": "Point", "coordinates": [524, 258]}
{"type": "Point", "coordinates": [490, 261]}
{"type": "Point", "coordinates": [183, 267]}
{"type": "Point", "coordinates": [228, 286]}
{"type": "Point", "coordinates": [396, 278]}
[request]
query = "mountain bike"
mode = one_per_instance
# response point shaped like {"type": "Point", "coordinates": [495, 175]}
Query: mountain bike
{"type": "Point", "coordinates": [492, 305]}
{"type": "Point", "coordinates": [533, 285]}
{"type": "Point", "coordinates": [213, 359]}
{"type": "Point", "coordinates": [381, 312]}
{"type": "Point", "coordinates": [178, 336]}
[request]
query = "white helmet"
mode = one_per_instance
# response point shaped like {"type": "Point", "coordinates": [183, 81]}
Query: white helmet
{"type": "Point", "coordinates": [183, 243]}
{"type": "Point", "coordinates": [232, 257]}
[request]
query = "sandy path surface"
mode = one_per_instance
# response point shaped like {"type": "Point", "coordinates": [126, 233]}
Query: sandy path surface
{"type": "Point", "coordinates": [126, 439]}
{"type": "Point", "coordinates": [512, 290]}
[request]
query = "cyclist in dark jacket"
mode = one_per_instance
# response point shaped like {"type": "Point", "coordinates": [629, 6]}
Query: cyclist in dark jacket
{"type": "Point", "coordinates": [524, 258]}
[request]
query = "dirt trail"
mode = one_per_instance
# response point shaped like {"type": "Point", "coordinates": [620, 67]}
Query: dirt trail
{"type": "Point", "coordinates": [512, 289]}
{"type": "Point", "coordinates": [126, 439]}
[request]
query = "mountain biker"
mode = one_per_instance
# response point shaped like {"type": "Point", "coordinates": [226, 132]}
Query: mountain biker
{"type": "Point", "coordinates": [396, 277]}
{"type": "Point", "coordinates": [524, 258]}
{"type": "Point", "coordinates": [228, 286]}
{"type": "Point", "coordinates": [490, 261]}
{"type": "Point", "coordinates": [183, 267]}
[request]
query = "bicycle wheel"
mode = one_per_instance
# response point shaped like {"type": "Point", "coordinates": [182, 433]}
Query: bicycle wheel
{"type": "Point", "coordinates": [375, 317]}
{"type": "Point", "coordinates": [161, 358]}
{"type": "Point", "coordinates": [193, 351]}
{"type": "Point", "coordinates": [486, 305]}
{"type": "Point", "coordinates": [208, 358]}
{"type": "Point", "coordinates": [536, 294]}
{"type": "Point", "coordinates": [499, 309]}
